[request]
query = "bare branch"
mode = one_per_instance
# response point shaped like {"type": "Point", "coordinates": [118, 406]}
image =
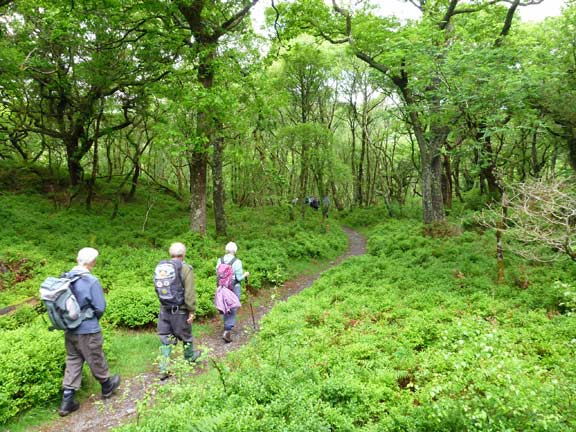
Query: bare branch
{"type": "Point", "coordinates": [541, 218]}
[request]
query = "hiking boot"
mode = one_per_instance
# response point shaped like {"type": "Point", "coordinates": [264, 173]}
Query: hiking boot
{"type": "Point", "coordinates": [164, 361]}
{"type": "Point", "coordinates": [109, 386]}
{"type": "Point", "coordinates": [68, 404]}
{"type": "Point", "coordinates": [227, 336]}
{"type": "Point", "coordinates": [190, 354]}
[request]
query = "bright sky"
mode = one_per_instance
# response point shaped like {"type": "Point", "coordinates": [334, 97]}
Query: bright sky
{"type": "Point", "coordinates": [403, 9]}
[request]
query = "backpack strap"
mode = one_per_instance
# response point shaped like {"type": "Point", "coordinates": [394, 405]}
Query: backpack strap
{"type": "Point", "coordinates": [232, 261]}
{"type": "Point", "coordinates": [86, 311]}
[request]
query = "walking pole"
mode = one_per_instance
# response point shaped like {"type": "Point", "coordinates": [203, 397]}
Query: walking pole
{"type": "Point", "coordinates": [249, 290]}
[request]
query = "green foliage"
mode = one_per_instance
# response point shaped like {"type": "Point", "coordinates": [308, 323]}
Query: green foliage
{"type": "Point", "coordinates": [567, 303]}
{"type": "Point", "coordinates": [128, 254]}
{"type": "Point", "coordinates": [32, 359]}
{"type": "Point", "coordinates": [21, 178]}
{"type": "Point", "coordinates": [364, 217]}
{"type": "Point", "coordinates": [23, 315]}
{"type": "Point", "coordinates": [414, 336]}
{"type": "Point", "coordinates": [132, 306]}
{"type": "Point", "coordinates": [37, 241]}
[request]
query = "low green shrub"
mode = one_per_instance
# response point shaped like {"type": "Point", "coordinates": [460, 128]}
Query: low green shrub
{"type": "Point", "coordinates": [567, 303]}
{"type": "Point", "coordinates": [132, 306]}
{"type": "Point", "coordinates": [415, 336]}
{"type": "Point", "coordinates": [21, 316]}
{"type": "Point", "coordinates": [32, 360]}
{"type": "Point", "coordinates": [43, 242]}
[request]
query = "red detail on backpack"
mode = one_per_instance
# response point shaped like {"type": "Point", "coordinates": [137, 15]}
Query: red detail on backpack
{"type": "Point", "coordinates": [225, 275]}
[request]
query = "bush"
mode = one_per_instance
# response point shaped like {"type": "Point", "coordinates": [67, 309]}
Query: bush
{"type": "Point", "coordinates": [132, 306]}
{"type": "Point", "coordinates": [415, 336]}
{"type": "Point", "coordinates": [32, 360]}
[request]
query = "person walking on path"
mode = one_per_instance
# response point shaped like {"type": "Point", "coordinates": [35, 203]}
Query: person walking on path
{"type": "Point", "coordinates": [239, 275]}
{"type": "Point", "coordinates": [174, 281]}
{"type": "Point", "coordinates": [84, 343]}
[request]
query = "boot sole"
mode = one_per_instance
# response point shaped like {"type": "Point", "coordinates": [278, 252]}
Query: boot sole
{"type": "Point", "coordinates": [65, 413]}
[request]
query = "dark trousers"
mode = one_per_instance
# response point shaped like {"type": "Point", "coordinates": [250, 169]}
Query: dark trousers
{"type": "Point", "coordinates": [84, 348]}
{"type": "Point", "coordinates": [172, 326]}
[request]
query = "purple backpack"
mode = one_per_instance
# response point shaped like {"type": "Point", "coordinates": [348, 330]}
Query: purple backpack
{"type": "Point", "coordinates": [225, 274]}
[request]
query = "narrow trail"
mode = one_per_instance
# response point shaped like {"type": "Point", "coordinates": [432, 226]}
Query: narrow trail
{"type": "Point", "coordinates": [102, 415]}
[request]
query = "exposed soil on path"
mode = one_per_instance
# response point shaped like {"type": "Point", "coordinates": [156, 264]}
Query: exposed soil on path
{"type": "Point", "coordinates": [96, 414]}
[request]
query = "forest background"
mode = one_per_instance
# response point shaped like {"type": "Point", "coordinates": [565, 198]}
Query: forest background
{"type": "Point", "coordinates": [129, 124]}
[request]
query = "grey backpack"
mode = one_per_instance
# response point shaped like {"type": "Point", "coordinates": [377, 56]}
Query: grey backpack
{"type": "Point", "coordinates": [61, 303]}
{"type": "Point", "coordinates": [168, 282]}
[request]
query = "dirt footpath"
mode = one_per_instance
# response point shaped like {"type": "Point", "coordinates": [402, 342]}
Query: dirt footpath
{"type": "Point", "coordinates": [96, 414]}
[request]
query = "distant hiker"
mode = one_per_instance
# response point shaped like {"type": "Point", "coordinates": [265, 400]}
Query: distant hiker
{"type": "Point", "coordinates": [325, 206]}
{"type": "Point", "coordinates": [230, 260]}
{"type": "Point", "coordinates": [84, 343]}
{"type": "Point", "coordinates": [174, 282]}
{"type": "Point", "coordinates": [314, 203]}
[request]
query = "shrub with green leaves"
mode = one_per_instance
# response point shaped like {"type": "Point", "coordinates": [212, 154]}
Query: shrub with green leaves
{"type": "Point", "coordinates": [268, 243]}
{"type": "Point", "coordinates": [414, 336]}
{"type": "Point", "coordinates": [32, 360]}
{"type": "Point", "coordinates": [41, 242]}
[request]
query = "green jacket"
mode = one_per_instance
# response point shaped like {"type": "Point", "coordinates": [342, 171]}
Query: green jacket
{"type": "Point", "coordinates": [189, 291]}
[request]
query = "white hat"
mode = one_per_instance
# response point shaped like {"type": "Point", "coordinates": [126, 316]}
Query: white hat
{"type": "Point", "coordinates": [87, 255]}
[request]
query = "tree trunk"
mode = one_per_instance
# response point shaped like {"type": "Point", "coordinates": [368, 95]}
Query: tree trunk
{"type": "Point", "coordinates": [356, 186]}
{"type": "Point", "coordinates": [536, 166]}
{"type": "Point", "coordinates": [136, 176]}
{"type": "Point", "coordinates": [218, 195]}
{"type": "Point", "coordinates": [499, 245]}
{"type": "Point", "coordinates": [73, 161]}
{"type": "Point", "coordinates": [571, 141]}
{"type": "Point", "coordinates": [337, 202]}
{"type": "Point", "coordinates": [447, 182]}
{"type": "Point", "coordinates": [199, 153]}
{"type": "Point", "coordinates": [303, 177]}
{"type": "Point", "coordinates": [360, 179]}
{"type": "Point", "coordinates": [487, 163]}
{"type": "Point", "coordinates": [456, 178]}
{"type": "Point", "coordinates": [109, 159]}
{"type": "Point", "coordinates": [431, 165]}
{"type": "Point", "coordinates": [198, 164]}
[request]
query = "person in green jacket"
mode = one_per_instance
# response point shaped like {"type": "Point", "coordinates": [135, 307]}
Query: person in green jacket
{"type": "Point", "coordinates": [175, 318]}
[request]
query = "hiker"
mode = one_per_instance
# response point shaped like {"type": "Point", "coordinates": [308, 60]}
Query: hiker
{"type": "Point", "coordinates": [325, 206]}
{"type": "Point", "coordinates": [314, 203]}
{"type": "Point", "coordinates": [174, 281]}
{"type": "Point", "coordinates": [239, 275]}
{"type": "Point", "coordinates": [84, 343]}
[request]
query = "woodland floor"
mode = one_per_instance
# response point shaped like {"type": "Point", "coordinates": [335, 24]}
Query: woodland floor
{"type": "Point", "coordinates": [102, 415]}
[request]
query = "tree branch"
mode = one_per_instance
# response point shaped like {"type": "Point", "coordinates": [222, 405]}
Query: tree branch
{"type": "Point", "coordinates": [236, 19]}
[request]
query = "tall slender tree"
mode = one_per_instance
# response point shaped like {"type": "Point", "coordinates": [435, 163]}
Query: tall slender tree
{"type": "Point", "coordinates": [208, 23]}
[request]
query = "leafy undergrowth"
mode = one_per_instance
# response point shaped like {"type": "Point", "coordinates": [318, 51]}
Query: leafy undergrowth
{"type": "Point", "coordinates": [43, 242]}
{"type": "Point", "coordinates": [37, 241]}
{"type": "Point", "coordinates": [415, 336]}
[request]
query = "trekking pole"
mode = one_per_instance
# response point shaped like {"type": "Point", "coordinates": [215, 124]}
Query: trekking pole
{"type": "Point", "coordinates": [249, 289]}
